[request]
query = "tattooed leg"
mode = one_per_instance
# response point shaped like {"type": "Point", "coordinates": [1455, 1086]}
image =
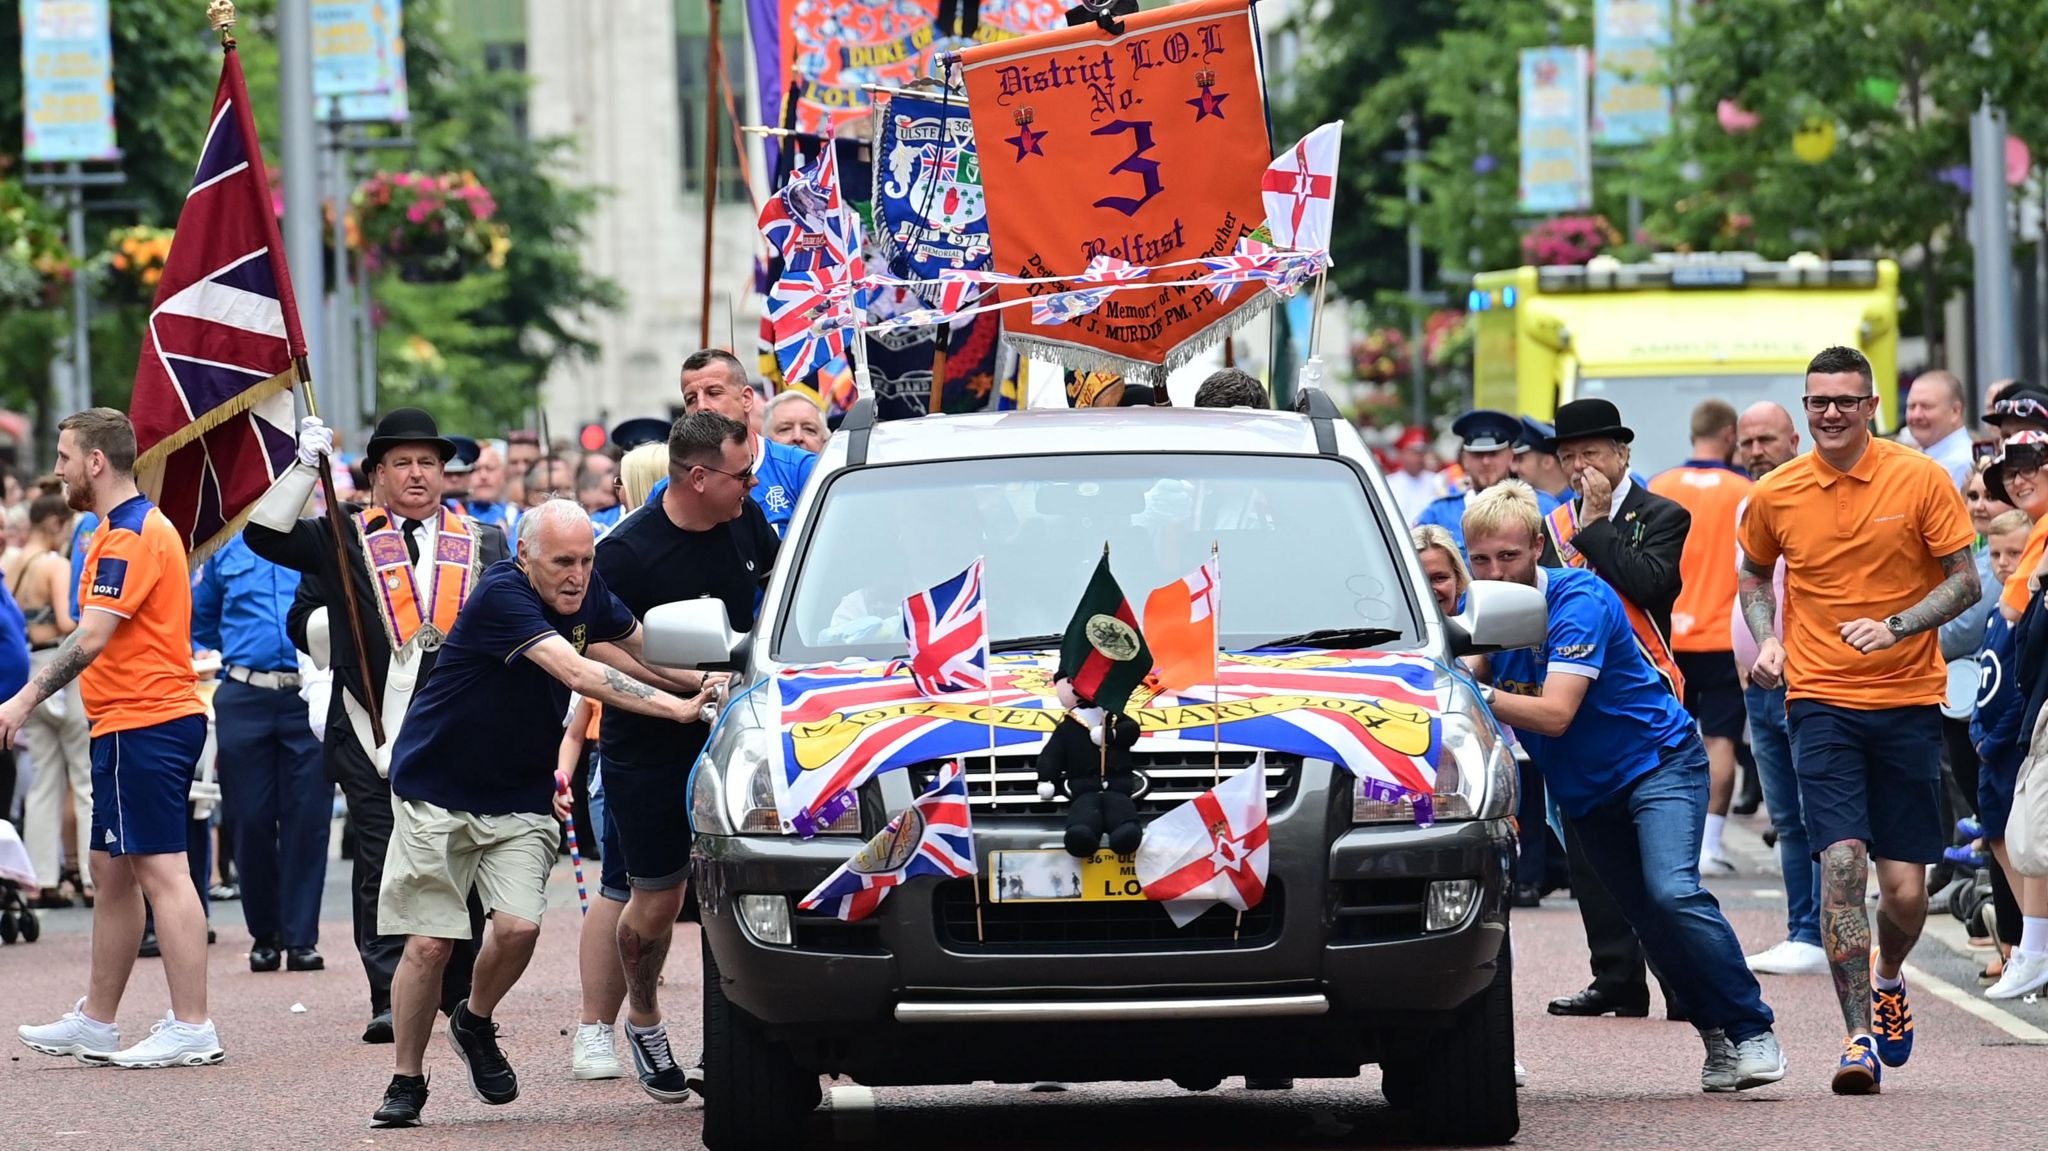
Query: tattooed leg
{"type": "Point", "coordinates": [1901, 912]}
{"type": "Point", "coordinates": [1845, 929]}
{"type": "Point", "coordinates": [645, 929]}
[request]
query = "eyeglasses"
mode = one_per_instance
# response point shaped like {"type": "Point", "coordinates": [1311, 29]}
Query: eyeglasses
{"type": "Point", "coordinates": [1845, 404]}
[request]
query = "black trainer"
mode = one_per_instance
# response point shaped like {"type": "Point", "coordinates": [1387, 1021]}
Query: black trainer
{"type": "Point", "coordinates": [656, 1064]}
{"type": "Point", "coordinates": [475, 1040]}
{"type": "Point", "coordinates": [402, 1102]}
{"type": "Point", "coordinates": [694, 1075]}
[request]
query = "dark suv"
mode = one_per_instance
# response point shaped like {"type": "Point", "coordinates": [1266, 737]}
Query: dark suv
{"type": "Point", "coordinates": [1379, 940]}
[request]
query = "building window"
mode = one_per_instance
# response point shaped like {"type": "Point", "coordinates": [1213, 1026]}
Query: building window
{"type": "Point", "coordinates": [509, 57]}
{"type": "Point", "coordinates": [696, 102]}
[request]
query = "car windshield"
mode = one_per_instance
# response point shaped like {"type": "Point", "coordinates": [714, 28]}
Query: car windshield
{"type": "Point", "coordinates": [1299, 546]}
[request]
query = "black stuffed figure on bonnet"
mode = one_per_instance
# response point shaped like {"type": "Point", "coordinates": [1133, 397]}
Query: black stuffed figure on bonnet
{"type": "Point", "coordinates": [1103, 657]}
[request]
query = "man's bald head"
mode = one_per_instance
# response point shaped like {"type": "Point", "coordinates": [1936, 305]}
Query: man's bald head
{"type": "Point", "coordinates": [1765, 437]}
{"type": "Point", "coordinates": [1934, 407]}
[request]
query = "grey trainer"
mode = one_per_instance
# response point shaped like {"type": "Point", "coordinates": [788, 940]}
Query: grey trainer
{"type": "Point", "coordinates": [1718, 1074]}
{"type": "Point", "coordinates": [1758, 1061]}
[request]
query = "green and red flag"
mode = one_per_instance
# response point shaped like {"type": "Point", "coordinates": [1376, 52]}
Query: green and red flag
{"type": "Point", "coordinates": [1104, 652]}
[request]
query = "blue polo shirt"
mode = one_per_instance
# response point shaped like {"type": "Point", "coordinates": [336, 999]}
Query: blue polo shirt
{"type": "Point", "coordinates": [80, 535]}
{"type": "Point", "coordinates": [13, 646]}
{"type": "Point", "coordinates": [1448, 513]}
{"type": "Point", "coordinates": [604, 520]}
{"type": "Point", "coordinates": [239, 607]}
{"type": "Point", "coordinates": [1628, 716]}
{"type": "Point", "coordinates": [481, 733]}
{"type": "Point", "coordinates": [782, 470]}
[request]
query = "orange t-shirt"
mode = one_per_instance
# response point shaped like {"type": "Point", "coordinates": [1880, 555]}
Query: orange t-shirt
{"type": "Point", "coordinates": [1860, 544]}
{"type": "Point", "coordinates": [2014, 595]}
{"type": "Point", "coordinates": [1713, 493]}
{"type": "Point", "coordinates": [135, 569]}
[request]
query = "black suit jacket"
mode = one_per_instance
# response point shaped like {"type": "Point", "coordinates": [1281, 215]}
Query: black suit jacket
{"type": "Point", "coordinates": [309, 550]}
{"type": "Point", "coordinates": [1637, 551]}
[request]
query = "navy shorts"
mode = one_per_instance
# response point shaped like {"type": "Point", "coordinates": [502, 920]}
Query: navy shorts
{"type": "Point", "coordinates": [1995, 785]}
{"type": "Point", "coordinates": [141, 785]}
{"type": "Point", "coordinates": [611, 875]}
{"type": "Point", "coordinates": [649, 807]}
{"type": "Point", "coordinates": [1712, 692]}
{"type": "Point", "coordinates": [1873, 776]}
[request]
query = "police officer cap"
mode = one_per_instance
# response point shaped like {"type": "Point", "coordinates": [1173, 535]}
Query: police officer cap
{"type": "Point", "coordinates": [466, 452]}
{"type": "Point", "coordinates": [1486, 430]}
{"type": "Point", "coordinates": [1536, 436]}
{"type": "Point", "coordinates": [640, 432]}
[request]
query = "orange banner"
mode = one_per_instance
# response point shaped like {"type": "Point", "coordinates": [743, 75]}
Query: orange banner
{"type": "Point", "coordinates": [1147, 147]}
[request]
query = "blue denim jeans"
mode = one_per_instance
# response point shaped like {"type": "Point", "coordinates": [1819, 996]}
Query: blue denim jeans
{"type": "Point", "coordinates": [1645, 845]}
{"type": "Point", "coordinates": [1770, 741]}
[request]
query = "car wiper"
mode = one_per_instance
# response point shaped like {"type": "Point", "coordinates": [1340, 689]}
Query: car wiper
{"type": "Point", "coordinates": [1026, 643]}
{"type": "Point", "coordinates": [1333, 637]}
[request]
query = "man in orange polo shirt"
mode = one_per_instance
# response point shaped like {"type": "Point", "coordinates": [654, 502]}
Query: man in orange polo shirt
{"type": "Point", "coordinates": [1712, 490]}
{"type": "Point", "coordinates": [1877, 548]}
{"type": "Point", "coordinates": [148, 726]}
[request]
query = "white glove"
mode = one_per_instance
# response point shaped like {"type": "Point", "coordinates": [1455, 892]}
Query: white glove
{"type": "Point", "coordinates": [1046, 790]}
{"type": "Point", "coordinates": [1167, 502]}
{"type": "Point", "coordinates": [316, 439]}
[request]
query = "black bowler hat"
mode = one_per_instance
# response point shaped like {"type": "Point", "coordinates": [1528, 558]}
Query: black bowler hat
{"type": "Point", "coordinates": [640, 432]}
{"type": "Point", "coordinates": [2026, 404]}
{"type": "Point", "coordinates": [467, 452]}
{"type": "Point", "coordinates": [1585, 419]}
{"type": "Point", "coordinates": [406, 426]}
{"type": "Point", "coordinates": [1486, 430]}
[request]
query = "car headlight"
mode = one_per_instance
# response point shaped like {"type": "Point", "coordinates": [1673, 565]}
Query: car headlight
{"type": "Point", "coordinates": [1475, 777]}
{"type": "Point", "coordinates": [736, 796]}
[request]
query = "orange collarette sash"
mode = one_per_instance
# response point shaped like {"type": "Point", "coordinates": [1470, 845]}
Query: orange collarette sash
{"type": "Point", "coordinates": [1563, 522]}
{"type": "Point", "coordinates": [393, 576]}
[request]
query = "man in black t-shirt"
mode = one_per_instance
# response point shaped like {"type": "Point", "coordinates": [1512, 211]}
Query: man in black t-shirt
{"type": "Point", "coordinates": [473, 790]}
{"type": "Point", "coordinates": [704, 538]}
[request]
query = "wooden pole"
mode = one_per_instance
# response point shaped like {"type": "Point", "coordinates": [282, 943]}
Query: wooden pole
{"type": "Point", "coordinates": [373, 702]}
{"type": "Point", "coordinates": [711, 70]}
{"type": "Point", "coordinates": [945, 332]}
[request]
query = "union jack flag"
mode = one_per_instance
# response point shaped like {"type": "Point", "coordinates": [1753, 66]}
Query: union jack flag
{"type": "Point", "coordinates": [1257, 263]}
{"type": "Point", "coordinates": [809, 314]}
{"type": "Point", "coordinates": [809, 222]}
{"type": "Point", "coordinates": [212, 407]}
{"type": "Point", "coordinates": [948, 630]}
{"type": "Point", "coordinates": [1064, 307]}
{"type": "Point", "coordinates": [933, 836]}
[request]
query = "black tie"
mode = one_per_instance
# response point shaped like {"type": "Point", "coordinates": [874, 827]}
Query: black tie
{"type": "Point", "coordinates": [412, 542]}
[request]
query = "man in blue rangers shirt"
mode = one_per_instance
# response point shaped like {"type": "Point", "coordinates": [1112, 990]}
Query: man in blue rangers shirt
{"type": "Point", "coordinates": [1626, 765]}
{"type": "Point", "coordinates": [273, 789]}
{"type": "Point", "coordinates": [473, 785]}
{"type": "Point", "coordinates": [714, 381]}
{"type": "Point", "coordinates": [1487, 458]}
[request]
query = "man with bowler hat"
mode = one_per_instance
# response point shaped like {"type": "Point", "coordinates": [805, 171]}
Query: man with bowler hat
{"type": "Point", "coordinates": [411, 565]}
{"type": "Point", "coordinates": [1487, 457]}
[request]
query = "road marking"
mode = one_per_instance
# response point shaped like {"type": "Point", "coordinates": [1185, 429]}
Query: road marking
{"type": "Point", "coordinates": [2004, 1020]}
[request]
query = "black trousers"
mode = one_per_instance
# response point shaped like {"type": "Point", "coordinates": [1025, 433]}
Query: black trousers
{"type": "Point", "coordinates": [368, 798]}
{"type": "Point", "coordinates": [1618, 965]}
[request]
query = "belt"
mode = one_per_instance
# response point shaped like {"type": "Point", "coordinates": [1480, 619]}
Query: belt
{"type": "Point", "coordinates": [268, 680]}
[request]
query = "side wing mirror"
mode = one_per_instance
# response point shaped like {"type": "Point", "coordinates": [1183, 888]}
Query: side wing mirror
{"type": "Point", "coordinates": [689, 634]}
{"type": "Point", "coordinates": [1499, 617]}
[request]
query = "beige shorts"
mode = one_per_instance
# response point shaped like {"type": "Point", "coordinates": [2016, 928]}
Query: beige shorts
{"type": "Point", "coordinates": [436, 855]}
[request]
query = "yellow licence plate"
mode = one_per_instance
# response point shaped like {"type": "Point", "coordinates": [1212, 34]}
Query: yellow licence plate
{"type": "Point", "coordinates": [1056, 877]}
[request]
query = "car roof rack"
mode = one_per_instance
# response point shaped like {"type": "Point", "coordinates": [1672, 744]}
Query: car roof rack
{"type": "Point", "coordinates": [858, 424]}
{"type": "Point", "coordinates": [1322, 415]}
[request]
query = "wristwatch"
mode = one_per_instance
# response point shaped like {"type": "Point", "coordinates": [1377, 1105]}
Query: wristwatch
{"type": "Point", "coordinates": [1897, 624]}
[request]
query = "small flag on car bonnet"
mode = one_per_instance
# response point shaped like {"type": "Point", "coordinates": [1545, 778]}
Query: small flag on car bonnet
{"type": "Point", "coordinates": [1103, 652]}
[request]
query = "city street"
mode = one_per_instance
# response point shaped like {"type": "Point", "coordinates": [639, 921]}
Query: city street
{"type": "Point", "coordinates": [299, 1079]}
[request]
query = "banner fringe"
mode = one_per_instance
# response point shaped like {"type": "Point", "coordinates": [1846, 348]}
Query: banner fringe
{"type": "Point", "coordinates": [249, 398]}
{"type": "Point", "coordinates": [1084, 358]}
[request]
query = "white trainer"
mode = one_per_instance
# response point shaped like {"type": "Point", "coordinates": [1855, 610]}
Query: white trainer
{"type": "Point", "coordinates": [1521, 1074]}
{"type": "Point", "coordinates": [1790, 957]}
{"type": "Point", "coordinates": [1716, 865]}
{"type": "Point", "coordinates": [76, 1035]}
{"type": "Point", "coordinates": [596, 1054]}
{"type": "Point", "coordinates": [2024, 974]}
{"type": "Point", "coordinates": [173, 1044]}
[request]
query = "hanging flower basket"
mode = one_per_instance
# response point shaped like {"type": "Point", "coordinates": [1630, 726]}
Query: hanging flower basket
{"type": "Point", "coordinates": [35, 266]}
{"type": "Point", "coordinates": [1380, 356]}
{"type": "Point", "coordinates": [1569, 240]}
{"type": "Point", "coordinates": [430, 227]}
{"type": "Point", "coordinates": [133, 263]}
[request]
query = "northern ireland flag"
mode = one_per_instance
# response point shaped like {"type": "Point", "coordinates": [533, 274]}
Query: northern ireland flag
{"type": "Point", "coordinates": [1300, 187]}
{"type": "Point", "coordinates": [1211, 849]}
{"type": "Point", "coordinates": [213, 391]}
{"type": "Point", "coordinates": [933, 836]}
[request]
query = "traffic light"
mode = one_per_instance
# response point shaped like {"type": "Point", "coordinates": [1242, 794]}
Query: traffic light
{"type": "Point", "coordinates": [592, 437]}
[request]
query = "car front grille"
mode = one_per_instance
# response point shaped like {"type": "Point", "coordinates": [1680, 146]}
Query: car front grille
{"type": "Point", "coordinates": [1171, 779]}
{"type": "Point", "coordinates": [1094, 928]}
{"type": "Point", "coordinates": [1378, 910]}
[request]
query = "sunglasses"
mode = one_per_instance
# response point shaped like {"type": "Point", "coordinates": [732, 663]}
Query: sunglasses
{"type": "Point", "coordinates": [744, 476]}
{"type": "Point", "coordinates": [1844, 404]}
{"type": "Point", "coordinates": [2026, 408]}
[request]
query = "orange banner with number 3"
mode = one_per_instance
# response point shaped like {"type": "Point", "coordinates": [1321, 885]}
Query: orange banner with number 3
{"type": "Point", "coordinates": [1147, 147]}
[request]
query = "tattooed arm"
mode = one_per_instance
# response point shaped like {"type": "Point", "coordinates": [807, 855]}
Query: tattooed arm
{"type": "Point", "coordinates": [1951, 597]}
{"type": "Point", "coordinates": [1759, 600]}
{"type": "Point", "coordinates": [77, 651]}
{"type": "Point", "coordinates": [628, 654]}
{"type": "Point", "coordinates": [609, 685]}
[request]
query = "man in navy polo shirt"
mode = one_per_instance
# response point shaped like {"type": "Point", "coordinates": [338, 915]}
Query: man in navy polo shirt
{"type": "Point", "coordinates": [1625, 764]}
{"type": "Point", "coordinates": [473, 785]}
{"type": "Point", "coordinates": [714, 381]}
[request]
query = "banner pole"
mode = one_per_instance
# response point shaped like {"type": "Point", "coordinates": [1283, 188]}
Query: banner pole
{"type": "Point", "coordinates": [1312, 371]}
{"type": "Point", "coordinates": [944, 333]}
